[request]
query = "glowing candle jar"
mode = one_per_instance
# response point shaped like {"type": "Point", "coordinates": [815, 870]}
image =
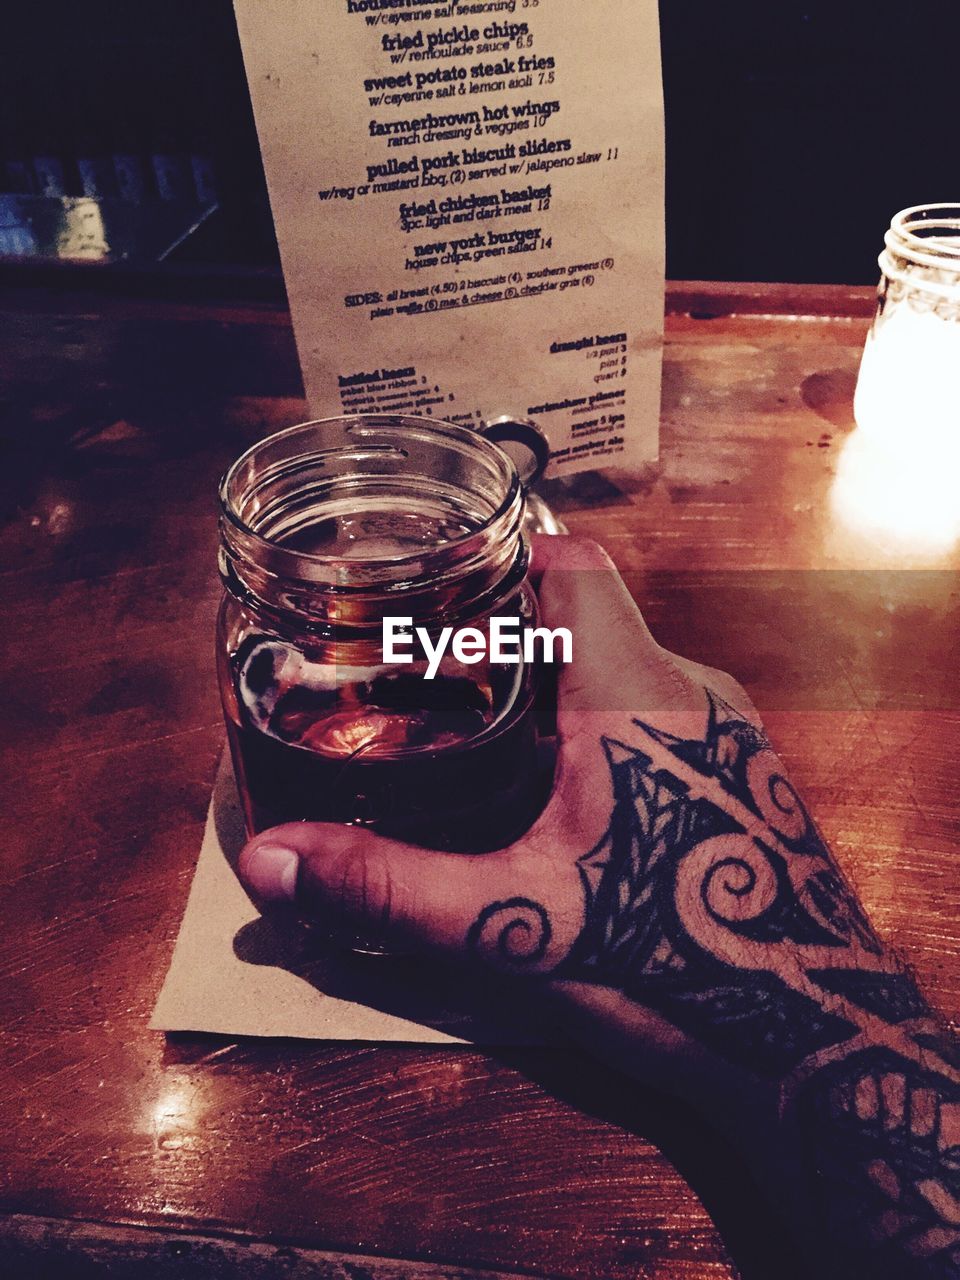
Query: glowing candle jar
{"type": "Point", "coordinates": [908, 394]}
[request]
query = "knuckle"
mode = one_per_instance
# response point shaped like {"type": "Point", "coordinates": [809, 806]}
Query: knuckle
{"type": "Point", "coordinates": [361, 886]}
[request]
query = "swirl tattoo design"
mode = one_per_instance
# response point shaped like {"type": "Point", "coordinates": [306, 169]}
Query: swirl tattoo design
{"type": "Point", "coordinates": [511, 934]}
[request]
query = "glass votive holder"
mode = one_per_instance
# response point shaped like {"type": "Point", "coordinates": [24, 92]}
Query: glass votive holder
{"type": "Point", "coordinates": [908, 393]}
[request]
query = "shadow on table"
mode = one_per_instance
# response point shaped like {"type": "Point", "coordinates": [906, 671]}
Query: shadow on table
{"type": "Point", "coordinates": [758, 1239]}
{"type": "Point", "coordinates": [434, 995]}
{"type": "Point", "coordinates": [438, 996]}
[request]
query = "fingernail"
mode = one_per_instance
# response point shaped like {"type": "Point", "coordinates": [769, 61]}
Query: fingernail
{"type": "Point", "coordinates": [271, 871]}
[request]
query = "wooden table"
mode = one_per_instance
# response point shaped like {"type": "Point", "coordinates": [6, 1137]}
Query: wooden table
{"type": "Point", "coordinates": [175, 1156]}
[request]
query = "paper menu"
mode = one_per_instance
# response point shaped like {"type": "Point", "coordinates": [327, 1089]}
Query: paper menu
{"type": "Point", "coordinates": [468, 199]}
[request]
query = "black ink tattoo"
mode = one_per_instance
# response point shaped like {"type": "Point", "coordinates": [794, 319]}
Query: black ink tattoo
{"type": "Point", "coordinates": [712, 900]}
{"type": "Point", "coordinates": [511, 934]}
{"type": "Point", "coordinates": [708, 841]}
{"type": "Point", "coordinates": [881, 1138]}
{"type": "Point", "coordinates": [891, 996]}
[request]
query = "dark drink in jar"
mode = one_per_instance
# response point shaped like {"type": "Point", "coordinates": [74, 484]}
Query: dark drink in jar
{"type": "Point", "coordinates": [326, 529]}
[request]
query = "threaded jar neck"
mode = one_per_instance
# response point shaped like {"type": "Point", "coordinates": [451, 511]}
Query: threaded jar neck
{"type": "Point", "coordinates": [335, 523]}
{"type": "Point", "coordinates": [922, 257]}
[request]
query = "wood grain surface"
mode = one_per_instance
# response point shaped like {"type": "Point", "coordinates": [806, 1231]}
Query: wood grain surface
{"type": "Point", "coordinates": [119, 416]}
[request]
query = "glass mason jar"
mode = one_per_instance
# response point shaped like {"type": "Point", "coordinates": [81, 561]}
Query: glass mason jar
{"type": "Point", "coordinates": [908, 392]}
{"type": "Point", "coordinates": [325, 529]}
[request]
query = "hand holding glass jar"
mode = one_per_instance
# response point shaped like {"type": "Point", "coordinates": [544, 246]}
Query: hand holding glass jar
{"type": "Point", "coordinates": [675, 910]}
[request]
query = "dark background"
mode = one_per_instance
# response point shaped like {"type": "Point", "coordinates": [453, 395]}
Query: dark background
{"type": "Point", "coordinates": [794, 131]}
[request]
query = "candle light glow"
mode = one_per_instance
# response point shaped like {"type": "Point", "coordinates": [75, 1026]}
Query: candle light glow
{"type": "Point", "coordinates": [898, 474]}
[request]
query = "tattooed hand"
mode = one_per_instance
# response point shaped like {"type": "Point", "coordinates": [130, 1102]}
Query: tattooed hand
{"type": "Point", "coordinates": [677, 904]}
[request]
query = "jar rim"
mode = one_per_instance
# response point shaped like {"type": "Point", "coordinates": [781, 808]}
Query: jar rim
{"type": "Point", "coordinates": [931, 250]}
{"type": "Point", "coordinates": [450, 432]}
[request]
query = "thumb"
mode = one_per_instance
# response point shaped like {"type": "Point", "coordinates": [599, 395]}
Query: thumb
{"type": "Point", "coordinates": [488, 905]}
